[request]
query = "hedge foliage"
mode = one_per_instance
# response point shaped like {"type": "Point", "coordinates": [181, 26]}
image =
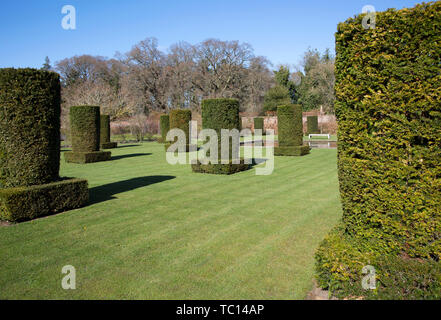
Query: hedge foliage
{"type": "Point", "coordinates": [388, 105]}
{"type": "Point", "coordinates": [292, 151]}
{"type": "Point", "coordinates": [312, 125]}
{"type": "Point", "coordinates": [29, 202]}
{"type": "Point", "coordinates": [220, 168]}
{"type": "Point", "coordinates": [290, 125]}
{"type": "Point", "coordinates": [87, 157]}
{"type": "Point", "coordinates": [179, 119]}
{"type": "Point", "coordinates": [29, 127]}
{"type": "Point", "coordinates": [85, 128]}
{"type": "Point", "coordinates": [259, 124]}
{"type": "Point", "coordinates": [220, 114]}
{"type": "Point", "coordinates": [104, 128]}
{"type": "Point", "coordinates": [164, 124]}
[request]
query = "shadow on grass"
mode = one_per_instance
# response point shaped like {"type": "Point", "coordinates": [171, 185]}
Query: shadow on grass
{"type": "Point", "coordinates": [107, 191]}
{"type": "Point", "coordinates": [121, 145]}
{"type": "Point", "coordinates": [124, 156]}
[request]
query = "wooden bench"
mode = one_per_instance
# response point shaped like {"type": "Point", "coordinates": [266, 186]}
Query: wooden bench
{"type": "Point", "coordinates": [319, 135]}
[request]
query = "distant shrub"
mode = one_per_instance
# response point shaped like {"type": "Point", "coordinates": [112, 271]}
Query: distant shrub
{"type": "Point", "coordinates": [312, 125]}
{"type": "Point", "coordinates": [105, 128]}
{"type": "Point", "coordinates": [29, 127]}
{"type": "Point", "coordinates": [218, 114]}
{"type": "Point", "coordinates": [179, 119]}
{"type": "Point", "coordinates": [389, 145]}
{"type": "Point", "coordinates": [85, 128]}
{"type": "Point", "coordinates": [276, 96]}
{"type": "Point", "coordinates": [290, 125]}
{"type": "Point", "coordinates": [164, 124]}
{"type": "Point", "coordinates": [258, 124]}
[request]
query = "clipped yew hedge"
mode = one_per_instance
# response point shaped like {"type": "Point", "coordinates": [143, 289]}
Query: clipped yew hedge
{"type": "Point", "coordinates": [290, 131]}
{"type": "Point", "coordinates": [164, 124]}
{"type": "Point", "coordinates": [105, 142]}
{"type": "Point", "coordinates": [30, 185]}
{"type": "Point", "coordinates": [388, 105]}
{"type": "Point", "coordinates": [29, 127]}
{"type": "Point", "coordinates": [85, 128]}
{"type": "Point", "coordinates": [259, 124]}
{"type": "Point", "coordinates": [312, 125]}
{"type": "Point", "coordinates": [218, 114]}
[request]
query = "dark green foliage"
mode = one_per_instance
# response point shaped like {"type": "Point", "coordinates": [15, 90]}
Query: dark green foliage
{"type": "Point", "coordinates": [388, 104]}
{"type": "Point", "coordinates": [104, 128]}
{"type": "Point", "coordinates": [179, 119]}
{"type": "Point", "coordinates": [85, 128]}
{"type": "Point", "coordinates": [109, 145]}
{"type": "Point", "coordinates": [220, 168]}
{"type": "Point", "coordinates": [276, 96]}
{"type": "Point", "coordinates": [312, 125]}
{"type": "Point", "coordinates": [220, 114]}
{"type": "Point", "coordinates": [291, 151]}
{"type": "Point", "coordinates": [24, 203]}
{"type": "Point", "coordinates": [341, 258]}
{"type": "Point", "coordinates": [87, 157]}
{"type": "Point", "coordinates": [290, 125]}
{"type": "Point", "coordinates": [258, 124]}
{"type": "Point", "coordinates": [29, 127]}
{"type": "Point", "coordinates": [164, 124]}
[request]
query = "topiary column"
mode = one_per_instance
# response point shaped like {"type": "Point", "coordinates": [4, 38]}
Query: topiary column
{"type": "Point", "coordinates": [180, 119]}
{"type": "Point", "coordinates": [105, 133]}
{"type": "Point", "coordinates": [85, 136]}
{"type": "Point", "coordinates": [312, 125]}
{"type": "Point", "coordinates": [259, 124]}
{"type": "Point", "coordinates": [290, 131]}
{"type": "Point", "coordinates": [388, 105]}
{"type": "Point", "coordinates": [218, 114]}
{"type": "Point", "coordinates": [30, 185]}
{"type": "Point", "coordinates": [164, 125]}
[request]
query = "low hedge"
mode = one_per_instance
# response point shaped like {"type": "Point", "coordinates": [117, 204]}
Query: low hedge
{"type": "Point", "coordinates": [29, 127]}
{"type": "Point", "coordinates": [292, 151]}
{"type": "Point", "coordinates": [164, 124]}
{"type": "Point", "coordinates": [87, 157]}
{"type": "Point", "coordinates": [85, 128]}
{"type": "Point", "coordinates": [259, 124]}
{"type": "Point", "coordinates": [312, 125]}
{"type": "Point", "coordinates": [25, 203]}
{"type": "Point", "coordinates": [109, 145]}
{"type": "Point", "coordinates": [220, 168]}
{"type": "Point", "coordinates": [341, 258]}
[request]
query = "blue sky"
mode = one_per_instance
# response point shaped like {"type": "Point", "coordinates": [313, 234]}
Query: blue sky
{"type": "Point", "coordinates": [281, 30]}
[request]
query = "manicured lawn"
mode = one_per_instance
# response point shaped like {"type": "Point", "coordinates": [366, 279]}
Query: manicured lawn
{"type": "Point", "coordinates": [157, 231]}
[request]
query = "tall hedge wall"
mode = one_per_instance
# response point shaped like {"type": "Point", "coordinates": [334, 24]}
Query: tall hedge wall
{"type": "Point", "coordinates": [290, 125]}
{"type": "Point", "coordinates": [104, 128]}
{"type": "Point", "coordinates": [29, 127]}
{"type": "Point", "coordinates": [258, 124]}
{"type": "Point", "coordinates": [85, 128]}
{"type": "Point", "coordinates": [312, 125]}
{"type": "Point", "coordinates": [388, 105]}
{"type": "Point", "coordinates": [180, 118]}
{"type": "Point", "coordinates": [164, 124]}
